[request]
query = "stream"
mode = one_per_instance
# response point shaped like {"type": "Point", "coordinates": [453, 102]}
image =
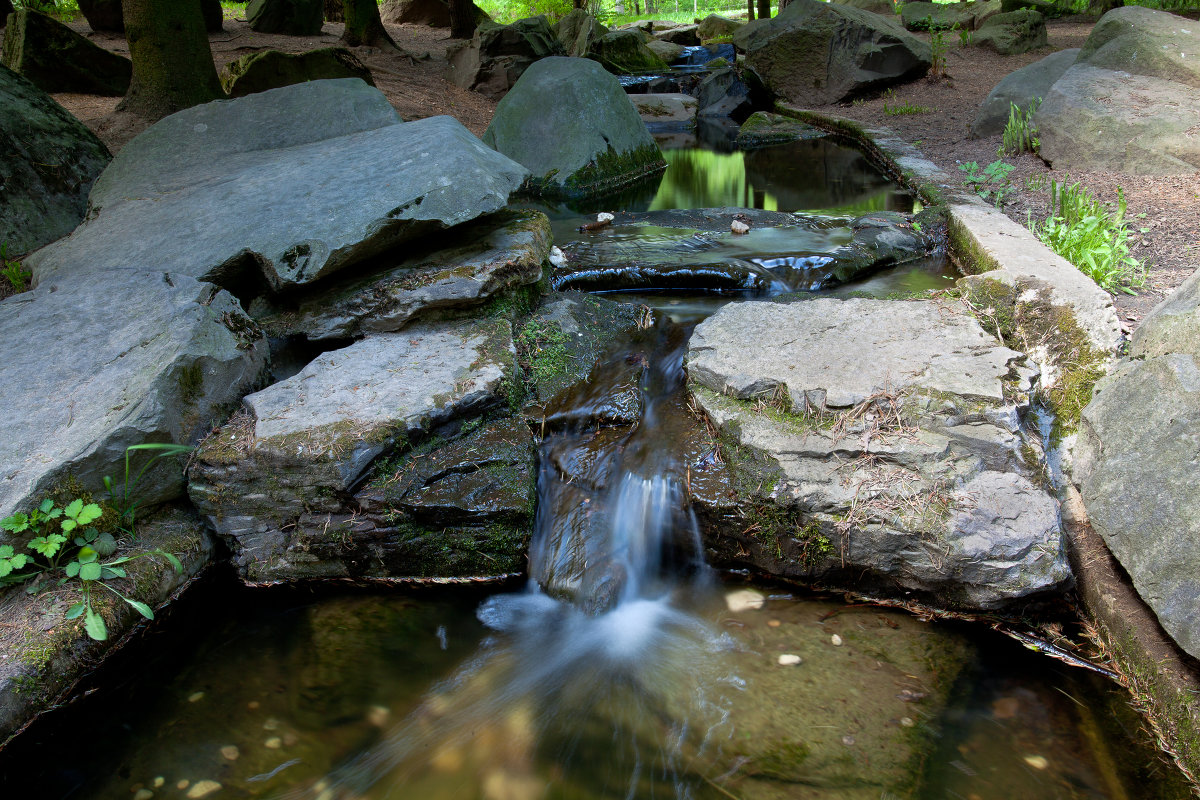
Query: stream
{"type": "Point", "coordinates": [625, 667]}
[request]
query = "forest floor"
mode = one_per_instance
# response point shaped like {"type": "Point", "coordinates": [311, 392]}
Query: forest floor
{"type": "Point", "coordinates": [1164, 212]}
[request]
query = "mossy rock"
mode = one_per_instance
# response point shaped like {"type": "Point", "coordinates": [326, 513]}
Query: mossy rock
{"type": "Point", "coordinates": [271, 69]}
{"type": "Point", "coordinates": [764, 128]}
{"type": "Point", "coordinates": [625, 52]}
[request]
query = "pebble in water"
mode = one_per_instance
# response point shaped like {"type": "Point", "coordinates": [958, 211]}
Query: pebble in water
{"type": "Point", "coordinates": [378, 715]}
{"type": "Point", "coordinates": [253, 704]}
{"type": "Point", "coordinates": [773, 623]}
{"type": "Point", "coordinates": [837, 640]}
{"type": "Point", "coordinates": [230, 752]}
{"type": "Point", "coordinates": [274, 743]}
{"type": "Point", "coordinates": [271, 724]}
{"type": "Point", "coordinates": [848, 740]}
{"type": "Point", "coordinates": [738, 227]}
{"type": "Point", "coordinates": [143, 794]}
{"type": "Point", "coordinates": [1037, 762]}
{"type": "Point", "coordinates": [183, 784]}
{"type": "Point", "coordinates": [195, 697]}
{"type": "Point", "coordinates": [789, 659]}
{"type": "Point", "coordinates": [907, 722]}
{"type": "Point", "coordinates": [159, 781]}
{"type": "Point", "coordinates": [744, 600]}
{"type": "Point", "coordinates": [203, 789]}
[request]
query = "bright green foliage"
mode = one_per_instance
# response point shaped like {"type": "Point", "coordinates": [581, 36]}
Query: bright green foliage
{"type": "Point", "coordinates": [937, 54]}
{"type": "Point", "coordinates": [59, 558]}
{"type": "Point", "coordinates": [126, 503]}
{"type": "Point", "coordinates": [1020, 135]}
{"type": "Point", "coordinates": [16, 275]}
{"type": "Point", "coordinates": [991, 182]}
{"type": "Point", "coordinates": [1092, 237]}
{"type": "Point", "coordinates": [905, 108]}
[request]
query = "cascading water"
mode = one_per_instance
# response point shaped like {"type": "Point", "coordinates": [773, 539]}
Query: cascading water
{"type": "Point", "coordinates": [615, 688]}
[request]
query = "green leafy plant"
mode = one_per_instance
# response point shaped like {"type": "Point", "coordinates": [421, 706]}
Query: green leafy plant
{"type": "Point", "coordinates": [1094, 238]}
{"type": "Point", "coordinates": [964, 36]}
{"type": "Point", "coordinates": [990, 182]}
{"type": "Point", "coordinates": [937, 54]}
{"type": "Point", "coordinates": [905, 107]}
{"type": "Point", "coordinates": [125, 502]}
{"type": "Point", "coordinates": [1020, 134]}
{"type": "Point", "coordinates": [16, 275]}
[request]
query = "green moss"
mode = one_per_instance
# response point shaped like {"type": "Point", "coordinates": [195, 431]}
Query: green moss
{"type": "Point", "coordinates": [607, 172]}
{"type": "Point", "coordinates": [191, 383]}
{"type": "Point", "coordinates": [783, 761]}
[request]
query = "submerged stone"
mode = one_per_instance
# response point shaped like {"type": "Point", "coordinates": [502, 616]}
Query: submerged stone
{"type": "Point", "coordinates": [589, 141]}
{"type": "Point", "coordinates": [297, 448]}
{"type": "Point", "coordinates": [764, 128]}
{"type": "Point", "coordinates": [879, 447]}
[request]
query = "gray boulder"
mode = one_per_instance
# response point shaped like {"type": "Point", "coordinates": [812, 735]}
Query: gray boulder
{"type": "Point", "coordinates": [39, 203]}
{"type": "Point", "coordinates": [116, 359]}
{"type": "Point", "coordinates": [1131, 101]}
{"type": "Point", "coordinates": [273, 69]}
{"type": "Point", "coordinates": [298, 448]}
{"type": "Point", "coordinates": [877, 445]}
{"type": "Point", "coordinates": [625, 52]}
{"type": "Point", "coordinates": [1173, 326]}
{"type": "Point", "coordinates": [322, 156]}
{"type": "Point", "coordinates": [1135, 463]}
{"type": "Point", "coordinates": [665, 109]}
{"type": "Point", "coordinates": [483, 259]}
{"type": "Point", "coordinates": [1021, 88]}
{"type": "Point", "coordinates": [715, 26]}
{"type": "Point", "coordinates": [1013, 32]}
{"type": "Point", "coordinates": [815, 53]}
{"type": "Point", "coordinates": [578, 31]}
{"type": "Point", "coordinates": [497, 55]}
{"type": "Point", "coordinates": [1105, 120]}
{"type": "Point", "coordinates": [434, 13]}
{"type": "Point", "coordinates": [684, 35]}
{"type": "Point", "coordinates": [289, 17]}
{"type": "Point", "coordinates": [723, 93]}
{"type": "Point", "coordinates": [1047, 8]}
{"type": "Point", "coordinates": [589, 141]}
{"type": "Point", "coordinates": [57, 59]}
{"type": "Point", "coordinates": [668, 52]}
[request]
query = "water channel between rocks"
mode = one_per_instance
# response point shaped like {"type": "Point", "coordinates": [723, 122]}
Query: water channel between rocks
{"type": "Point", "coordinates": [667, 682]}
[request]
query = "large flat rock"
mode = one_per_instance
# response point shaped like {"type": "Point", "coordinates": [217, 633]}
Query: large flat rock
{"type": "Point", "coordinates": [877, 445]}
{"type": "Point", "coordinates": [299, 447]}
{"type": "Point", "coordinates": [285, 186]}
{"type": "Point", "coordinates": [97, 362]}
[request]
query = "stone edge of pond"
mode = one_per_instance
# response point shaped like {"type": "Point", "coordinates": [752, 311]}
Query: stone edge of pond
{"type": "Point", "coordinates": [43, 656]}
{"type": "Point", "coordinates": [999, 256]}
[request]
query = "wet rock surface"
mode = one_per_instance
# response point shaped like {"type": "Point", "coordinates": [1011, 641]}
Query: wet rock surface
{"type": "Point", "coordinates": [337, 193]}
{"type": "Point", "coordinates": [300, 446]}
{"type": "Point", "coordinates": [460, 270]}
{"type": "Point", "coordinates": [38, 204]}
{"type": "Point", "coordinates": [696, 250]}
{"type": "Point", "coordinates": [763, 128]}
{"type": "Point", "coordinates": [1136, 457]}
{"type": "Point", "coordinates": [116, 360]}
{"type": "Point", "coordinates": [881, 444]}
{"type": "Point", "coordinates": [589, 141]}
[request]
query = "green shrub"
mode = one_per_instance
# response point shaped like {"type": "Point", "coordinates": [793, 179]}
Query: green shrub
{"type": "Point", "coordinates": [992, 182]}
{"type": "Point", "coordinates": [1020, 135]}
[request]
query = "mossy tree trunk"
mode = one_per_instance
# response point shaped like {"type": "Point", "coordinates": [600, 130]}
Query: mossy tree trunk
{"type": "Point", "coordinates": [172, 62]}
{"type": "Point", "coordinates": [363, 25]}
{"type": "Point", "coordinates": [764, 9]}
{"type": "Point", "coordinates": [750, 10]}
{"type": "Point", "coordinates": [462, 18]}
{"type": "Point", "coordinates": [333, 11]}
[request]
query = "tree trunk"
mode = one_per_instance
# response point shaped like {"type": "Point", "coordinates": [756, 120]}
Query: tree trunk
{"type": "Point", "coordinates": [750, 10]}
{"type": "Point", "coordinates": [172, 62]}
{"type": "Point", "coordinates": [462, 18]}
{"type": "Point", "coordinates": [764, 9]}
{"type": "Point", "coordinates": [214, 17]}
{"type": "Point", "coordinates": [363, 25]}
{"type": "Point", "coordinates": [333, 11]}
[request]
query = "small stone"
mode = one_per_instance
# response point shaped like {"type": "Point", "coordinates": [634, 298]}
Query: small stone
{"type": "Point", "coordinates": [744, 600]}
{"type": "Point", "coordinates": [183, 784]}
{"type": "Point", "coordinates": [789, 660]}
{"type": "Point", "coordinates": [906, 722]}
{"type": "Point", "coordinates": [290, 739]}
{"type": "Point", "coordinates": [378, 715]}
{"type": "Point", "coordinates": [738, 227]}
{"type": "Point", "coordinates": [848, 740]}
{"type": "Point", "coordinates": [159, 781]}
{"type": "Point", "coordinates": [557, 258]}
{"type": "Point", "coordinates": [230, 752]}
{"type": "Point", "coordinates": [837, 640]}
{"type": "Point", "coordinates": [143, 794]}
{"type": "Point", "coordinates": [773, 623]}
{"type": "Point", "coordinates": [137, 787]}
{"type": "Point", "coordinates": [195, 697]}
{"type": "Point", "coordinates": [203, 789]}
{"type": "Point", "coordinates": [1037, 762]}
{"type": "Point", "coordinates": [253, 704]}
{"type": "Point", "coordinates": [604, 216]}
{"type": "Point", "coordinates": [271, 724]}
{"type": "Point", "coordinates": [274, 743]}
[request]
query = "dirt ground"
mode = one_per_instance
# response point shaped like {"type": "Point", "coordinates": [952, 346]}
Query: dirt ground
{"type": "Point", "coordinates": [418, 87]}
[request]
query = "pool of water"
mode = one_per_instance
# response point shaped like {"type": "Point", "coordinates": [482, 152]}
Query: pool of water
{"type": "Point", "coordinates": [284, 693]}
